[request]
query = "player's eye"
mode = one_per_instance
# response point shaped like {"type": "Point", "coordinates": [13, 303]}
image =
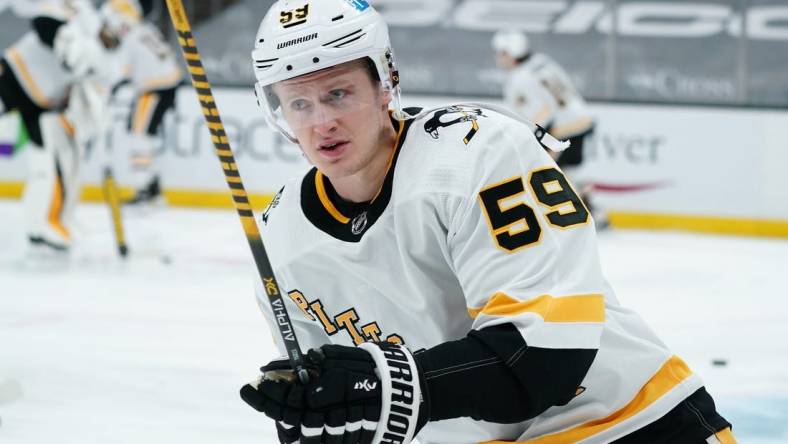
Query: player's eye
{"type": "Point", "coordinates": [299, 104]}
{"type": "Point", "coordinates": [336, 95]}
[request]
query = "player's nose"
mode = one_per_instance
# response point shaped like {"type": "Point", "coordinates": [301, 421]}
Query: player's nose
{"type": "Point", "coordinates": [325, 126]}
{"type": "Point", "coordinates": [325, 115]}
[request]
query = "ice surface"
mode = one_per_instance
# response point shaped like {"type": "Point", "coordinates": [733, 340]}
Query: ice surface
{"type": "Point", "coordinates": [154, 349]}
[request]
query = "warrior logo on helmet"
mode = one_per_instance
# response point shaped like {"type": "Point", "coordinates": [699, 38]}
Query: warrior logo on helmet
{"type": "Point", "coordinates": [465, 115]}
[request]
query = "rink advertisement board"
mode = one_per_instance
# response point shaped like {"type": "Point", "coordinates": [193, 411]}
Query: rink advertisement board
{"type": "Point", "coordinates": [645, 162]}
{"type": "Point", "coordinates": [669, 51]}
{"type": "Point", "coordinates": [685, 51]}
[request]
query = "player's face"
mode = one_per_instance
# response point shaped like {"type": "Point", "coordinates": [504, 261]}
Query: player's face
{"type": "Point", "coordinates": [504, 60]}
{"type": "Point", "coordinates": [108, 38]}
{"type": "Point", "coordinates": [337, 115]}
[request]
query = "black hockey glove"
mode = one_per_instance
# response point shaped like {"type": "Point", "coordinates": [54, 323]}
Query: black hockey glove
{"type": "Point", "coordinates": [370, 394]}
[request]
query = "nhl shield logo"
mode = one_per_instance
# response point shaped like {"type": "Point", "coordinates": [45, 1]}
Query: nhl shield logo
{"type": "Point", "coordinates": [359, 223]}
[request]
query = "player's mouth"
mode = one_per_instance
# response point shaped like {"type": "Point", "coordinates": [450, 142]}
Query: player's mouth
{"type": "Point", "coordinates": [333, 148]}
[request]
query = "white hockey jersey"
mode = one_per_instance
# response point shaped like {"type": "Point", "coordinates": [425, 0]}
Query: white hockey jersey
{"type": "Point", "coordinates": [151, 63]}
{"type": "Point", "coordinates": [540, 90]}
{"type": "Point", "coordinates": [474, 226]}
{"type": "Point", "coordinates": [42, 75]}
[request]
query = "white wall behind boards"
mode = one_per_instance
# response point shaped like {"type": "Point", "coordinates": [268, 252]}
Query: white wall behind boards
{"type": "Point", "coordinates": [700, 161]}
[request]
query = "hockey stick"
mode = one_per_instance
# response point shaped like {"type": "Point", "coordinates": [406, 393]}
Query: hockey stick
{"type": "Point", "coordinates": [233, 177]}
{"type": "Point", "coordinates": [112, 199]}
{"type": "Point", "coordinates": [108, 185]}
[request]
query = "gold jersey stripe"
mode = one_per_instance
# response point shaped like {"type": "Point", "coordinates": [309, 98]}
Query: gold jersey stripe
{"type": "Point", "coordinates": [391, 157]}
{"type": "Point", "coordinates": [67, 126]}
{"type": "Point", "coordinates": [671, 374]}
{"type": "Point", "coordinates": [577, 308]}
{"type": "Point", "coordinates": [725, 436]}
{"type": "Point", "coordinates": [143, 113]}
{"type": "Point", "coordinates": [327, 204]}
{"type": "Point", "coordinates": [56, 210]}
{"type": "Point", "coordinates": [19, 62]}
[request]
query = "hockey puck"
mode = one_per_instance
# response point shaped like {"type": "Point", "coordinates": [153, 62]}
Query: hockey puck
{"type": "Point", "coordinates": [166, 260]}
{"type": "Point", "coordinates": [719, 362]}
{"type": "Point", "coordinates": [10, 390]}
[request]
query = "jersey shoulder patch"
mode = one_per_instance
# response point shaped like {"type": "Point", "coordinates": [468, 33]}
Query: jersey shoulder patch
{"type": "Point", "coordinates": [438, 122]}
{"type": "Point", "coordinates": [468, 126]}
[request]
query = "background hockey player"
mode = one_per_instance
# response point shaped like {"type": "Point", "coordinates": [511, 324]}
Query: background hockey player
{"type": "Point", "coordinates": [540, 90]}
{"type": "Point", "coordinates": [154, 74]}
{"type": "Point", "coordinates": [441, 268]}
{"type": "Point", "coordinates": [55, 76]}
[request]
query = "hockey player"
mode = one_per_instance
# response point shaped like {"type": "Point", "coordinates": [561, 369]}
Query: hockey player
{"type": "Point", "coordinates": [539, 90]}
{"type": "Point", "coordinates": [53, 77]}
{"type": "Point", "coordinates": [440, 268]}
{"type": "Point", "coordinates": [154, 74]}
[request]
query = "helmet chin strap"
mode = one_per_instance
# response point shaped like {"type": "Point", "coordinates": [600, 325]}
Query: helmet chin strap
{"type": "Point", "coordinates": [396, 109]}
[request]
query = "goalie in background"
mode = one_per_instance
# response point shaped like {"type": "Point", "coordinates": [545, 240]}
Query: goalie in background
{"type": "Point", "coordinates": [151, 68]}
{"type": "Point", "coordinates": [56, 77]}
{"type": "Point", "coordinates": [439, 269]}
{"type": "Point", "coordinates": [540, 91]}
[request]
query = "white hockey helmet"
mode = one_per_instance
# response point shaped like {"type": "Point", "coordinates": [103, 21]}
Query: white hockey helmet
{"type": "Point", "coordinates": [513, 43]}
{"type": "Point", "coordinates": [121, 15]}
{"type": "Point", "coordinates": [298, 37]}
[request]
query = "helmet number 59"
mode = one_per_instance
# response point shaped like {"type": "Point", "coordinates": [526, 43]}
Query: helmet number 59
{"type": "Point", "coordinates": [286, 17]}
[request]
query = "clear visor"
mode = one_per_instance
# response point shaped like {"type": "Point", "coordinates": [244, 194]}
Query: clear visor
{"type": "Point", "coordinates": [318, 100]}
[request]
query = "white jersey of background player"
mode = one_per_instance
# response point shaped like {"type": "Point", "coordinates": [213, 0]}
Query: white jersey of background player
{"type": "Point", "coordinates": [540, 90]}
{"type": "Point", "coordinates": [441, 268]}
{"type": "Point", "coordinates": [55, 76]}
{"type": "Point", "coordinates": [154, 74]}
